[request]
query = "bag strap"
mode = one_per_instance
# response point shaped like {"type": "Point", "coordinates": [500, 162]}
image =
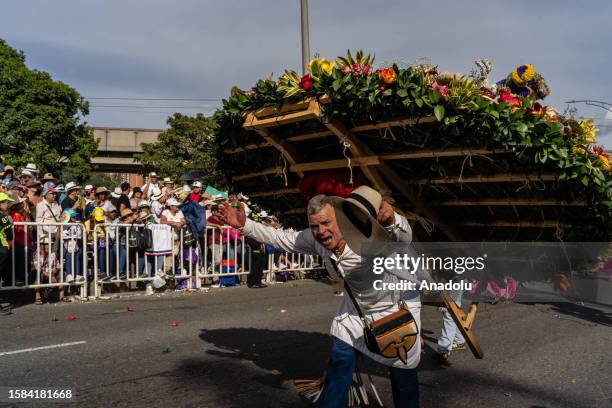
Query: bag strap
{"type": "Point", "coordinates": [349, 291]}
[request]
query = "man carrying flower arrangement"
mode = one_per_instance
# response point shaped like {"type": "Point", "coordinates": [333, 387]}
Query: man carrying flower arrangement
{"type": "Point", "coordinates": [338, 228]}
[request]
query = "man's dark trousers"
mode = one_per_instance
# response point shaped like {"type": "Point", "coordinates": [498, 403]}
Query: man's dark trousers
{"type": "Point", "coordinates": [339, 376]}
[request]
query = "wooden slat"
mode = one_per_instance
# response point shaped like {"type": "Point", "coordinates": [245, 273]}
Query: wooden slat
{"type": "Point", "coordinates": [454, 152]}
{"type": "Point", "coordinates": [272, 111]}
{"type": "Point", "coordinates": [513, 224]}
{"type": "Point", "coordinates": [360, 149]}
{"type": "Point", "coordinates": [511, 202]}
{"type": "Point", "coordinates": [493, 178]}
{"type": "Point", "coordinates": [394, 123]}
{"type": "Point", "coordinates": [326, 133]}
{"type": "Point", "coordinates": [252, 122]}
{"type": "Point", "coordinates": [264, 172]}
{"type": "Point", "coordinates": [275, 192]}
{"type": "Point", "coordinates": [336, 164]}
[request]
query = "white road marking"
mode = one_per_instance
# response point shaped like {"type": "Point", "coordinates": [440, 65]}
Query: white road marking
{"type": "Point", "coordinates": [74, 343]}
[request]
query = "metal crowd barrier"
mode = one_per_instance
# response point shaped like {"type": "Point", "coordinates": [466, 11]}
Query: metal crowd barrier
{"type": "Point", "coordinates": [218, 253]}
{"type": "Point", "coordinates": [296, 263]}
{"type": "Point", "coordinates": [58, 246]}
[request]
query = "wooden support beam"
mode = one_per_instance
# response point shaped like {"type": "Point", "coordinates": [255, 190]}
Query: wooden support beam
{"type": "Point", "coordinates": [360, 149]}
{"type": "Point", "coordinates": [511, 202]}
{"type": "Point", "coordinates": [282, 191]}
{"type": "Point", "coordinates": [493, 178]}
{"type": "Point", "coordinates": [312, 112]}
{"type": "Point", "coordinates": [326, 133]}
{"type": "Point", "coordinates": [264, 172]}
{"type": "Point", "coordinates": [289, 152]}
{"type": "Point", "coordinates": [394, 123]}
{"type": "Point", "coordinates": [453, 152]}
{"type": "Point", "coordinates": [513, 224]}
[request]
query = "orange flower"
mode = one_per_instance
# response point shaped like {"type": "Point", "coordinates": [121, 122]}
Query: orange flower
{"type": "Point", "coordinates": [387, 75]}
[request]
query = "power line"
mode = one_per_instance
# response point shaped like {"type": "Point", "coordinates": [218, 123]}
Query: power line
{"type": "Point", "coordinates": [158, 99]}
{"type": "Point", "coordinates": [155, 106]}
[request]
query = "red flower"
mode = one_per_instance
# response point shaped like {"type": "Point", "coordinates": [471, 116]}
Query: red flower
{"type": "Point", "coordinates": [366, 70]}
{"type": "Point", "coordinates": [381, 87]}
{"type": "Point", "coordinates": [346, 69]}
{"type": "Point", "coordinates": [306, 82]}
{"type": "Point", "coordinates": [506, 96]}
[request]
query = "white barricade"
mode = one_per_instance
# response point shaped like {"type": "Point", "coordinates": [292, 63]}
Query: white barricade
{"type": "Point", "coordinates": [291, 262]}
{"type": "Point", "coordinates": [47, 255]}
{"type": "Point", "coordinates": [223, 250]}
{"type": "Point", "coordinates": [122, 255]}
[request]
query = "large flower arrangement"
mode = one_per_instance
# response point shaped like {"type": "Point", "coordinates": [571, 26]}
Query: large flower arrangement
{"type": "Point", "coordinates": [507, 114]}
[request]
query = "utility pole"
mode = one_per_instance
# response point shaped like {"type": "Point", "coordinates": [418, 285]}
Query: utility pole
{"type": "Point", "coordinates": [305, 36]}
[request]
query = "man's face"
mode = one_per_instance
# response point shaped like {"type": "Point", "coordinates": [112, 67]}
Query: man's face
{"type": "Point", "coordinates": [51, 197]}
{"type": "Point", "coordinates": [73, 193]}
{"type": "Point", "coordinates": [153, 179]}
{"type": "Point", "coordinates": [197, 190]}
{"type": "Point", "coordinates": [4, 206]}
{"type": "Point", "coordinates": [325, 228]}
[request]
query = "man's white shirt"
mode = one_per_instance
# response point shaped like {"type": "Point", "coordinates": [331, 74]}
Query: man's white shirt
{"type": "Point", "coordinates": [347, 325]}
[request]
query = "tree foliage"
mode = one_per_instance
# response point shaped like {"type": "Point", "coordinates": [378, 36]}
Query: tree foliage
{"type": "Point", "coordinates": [41, 120]}
{"type": "Point", "coordinates": [188, 144]}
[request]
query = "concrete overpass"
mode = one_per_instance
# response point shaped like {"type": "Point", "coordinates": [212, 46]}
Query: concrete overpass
{"type": "Point", "coordinates": [117, 147]}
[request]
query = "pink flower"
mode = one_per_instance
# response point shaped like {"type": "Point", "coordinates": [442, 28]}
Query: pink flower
{"type": "Point", "coordinates": [346, 69]}
{"type": "Point", "coordinates": [440, 88]}
{"type": "Point", "coordinates": [356, 68]}
{"type": "Point", "coordinates": [366, 70]}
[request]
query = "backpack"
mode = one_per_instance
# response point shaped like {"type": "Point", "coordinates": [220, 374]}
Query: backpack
{"type": "Point", "coordinates": [136, 240]}
{"type": "Point", "coordinates": [190, 237]}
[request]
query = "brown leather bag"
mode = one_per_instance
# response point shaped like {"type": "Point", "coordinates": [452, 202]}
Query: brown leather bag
{"type": "Point", "coordinates": [392, 336]}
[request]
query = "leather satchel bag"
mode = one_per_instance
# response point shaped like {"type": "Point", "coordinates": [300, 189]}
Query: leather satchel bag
{"type": "Point", "coordinates": [392, 336]}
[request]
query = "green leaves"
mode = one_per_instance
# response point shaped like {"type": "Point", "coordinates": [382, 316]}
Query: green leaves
{"type": "Point", "coordinates": [40, 120]}
{"type": "Point", "coordinates": [439, 112]}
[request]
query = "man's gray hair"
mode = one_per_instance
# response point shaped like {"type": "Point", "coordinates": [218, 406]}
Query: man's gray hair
{"type": "Point", "coordinates": [317, 203]}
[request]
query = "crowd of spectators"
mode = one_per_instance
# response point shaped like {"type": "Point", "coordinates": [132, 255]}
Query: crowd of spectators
{"type": "Point", "coordinates": [52, 249]}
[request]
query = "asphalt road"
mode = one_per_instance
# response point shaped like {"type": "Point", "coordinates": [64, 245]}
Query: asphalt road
{"type": "Point", "coordinates": [240, 347]}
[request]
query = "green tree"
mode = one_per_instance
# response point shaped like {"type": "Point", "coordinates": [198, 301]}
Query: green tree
{"type": "Point", "coordinates": [188, 144]}
{"type": "Point", "coordinates": [41, 120]}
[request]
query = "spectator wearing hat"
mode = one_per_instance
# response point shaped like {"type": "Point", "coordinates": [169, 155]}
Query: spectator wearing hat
{"type": "Point", "coordinates": [196, 191]}
{"type": "Point", "coordinates": [151, 185]}
{"type": "Point", "coordinates": [48, 177]}
{"type": "Point", "coordinates": [168, 186]}
{"type": "Point", "coordinates": [90, 194]}
{"type": "Point", "coordinates": [173, 216]}
{"type": "Point", "coordinates": [6, 236]}
{"type": "Point", "coordinates": [123, 201]}
{"type": "Point", "coordinates": [102, 200]}
{"type": "Point", "coordinates": [8, 174]}
{"type": "Point", "coordinates": [46, 267]}
{"type": "Point", "coordinates": [72, 201]}
{"type": "Point", "coordinates": [114, 196]}
{"type": "Point", "coordinates": [136, 198]}
{"type": "Point", "coordinates": [48, 211]}
{"type": "Point", "coordinates": [157, 200]}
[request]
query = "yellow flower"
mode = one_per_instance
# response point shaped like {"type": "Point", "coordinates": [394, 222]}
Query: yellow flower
{"type": "Point", "coordinates": [578, 150]}
{"type": "Point", "coordinates": [604, 163]}
{"type": "Point", "coordinates": [321, 65]}
{"type": "Point", "coordinates": [327, 67]}
{"type": "Point", "coordinates": [523, 74]}
{"type": "Point", "coordinates": [589, 131]}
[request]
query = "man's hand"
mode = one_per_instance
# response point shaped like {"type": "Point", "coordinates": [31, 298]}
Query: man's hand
{"type": "Point", "coordinates": [233, 216]}
{"type": "Point", "coordinates": [386, 214]}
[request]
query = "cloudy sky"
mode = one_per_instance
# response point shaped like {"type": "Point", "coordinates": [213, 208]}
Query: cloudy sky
{"type": "Point", "coordinates": [199, 49]}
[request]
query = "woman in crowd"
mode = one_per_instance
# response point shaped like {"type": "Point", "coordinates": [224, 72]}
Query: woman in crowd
{"type": "Point", "coordinates": [174, 217]}
{"type": "Point", "coordinates": [47, 268]}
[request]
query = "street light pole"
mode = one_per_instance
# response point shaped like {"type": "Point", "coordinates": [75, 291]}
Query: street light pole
{"type": "Point", "coordinates": [305, 36]}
